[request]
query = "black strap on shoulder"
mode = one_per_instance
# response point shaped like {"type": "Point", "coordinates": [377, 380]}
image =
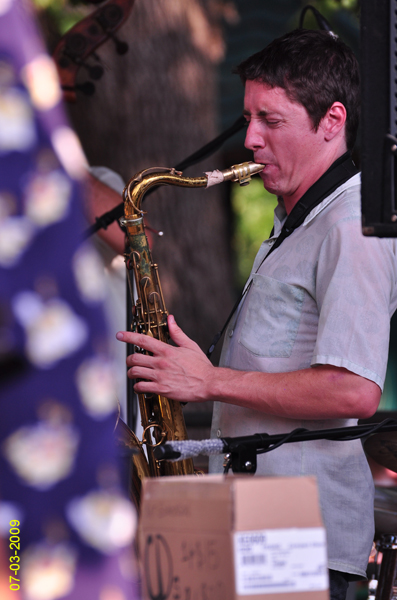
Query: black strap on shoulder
{"type": "Point", "coordinates": [339, 172]}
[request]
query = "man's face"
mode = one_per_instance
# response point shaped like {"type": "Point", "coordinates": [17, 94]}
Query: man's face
{"type": "Point", "coordinates": [281, 136]}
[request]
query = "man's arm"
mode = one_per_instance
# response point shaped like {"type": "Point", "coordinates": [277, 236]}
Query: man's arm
{"type": "Point", "coordinates": [99, 199]}
{"type": "Point", "coordinates": [184, 373]}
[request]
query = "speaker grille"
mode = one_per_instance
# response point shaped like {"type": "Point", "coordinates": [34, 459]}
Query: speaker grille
{"type": "Point", "coordinates": [378, 116]}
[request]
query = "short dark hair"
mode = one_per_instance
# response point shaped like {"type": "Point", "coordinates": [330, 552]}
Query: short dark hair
{"type": "Point", "coordinates": [315, 69]}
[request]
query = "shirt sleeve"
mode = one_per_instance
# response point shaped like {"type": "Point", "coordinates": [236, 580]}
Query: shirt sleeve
{"type": "Point", "coordinates": [356, 289]}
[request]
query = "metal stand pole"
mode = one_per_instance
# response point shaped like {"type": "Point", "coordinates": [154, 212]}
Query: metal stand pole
{"type": "Point", "coordinates": [132, 408]}
{"type": "Point", "coordinates": [388, 546]}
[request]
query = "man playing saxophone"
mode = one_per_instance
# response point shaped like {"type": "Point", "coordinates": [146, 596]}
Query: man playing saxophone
{"type": "Point", "coordinates": [308, 345]}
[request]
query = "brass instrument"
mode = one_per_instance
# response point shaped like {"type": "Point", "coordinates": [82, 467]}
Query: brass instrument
{"type": "Point", "coordinates": [162, 419]}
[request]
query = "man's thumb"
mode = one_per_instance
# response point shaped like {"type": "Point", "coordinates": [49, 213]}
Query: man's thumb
{"type": "Point", "coordinates": [177, 335]}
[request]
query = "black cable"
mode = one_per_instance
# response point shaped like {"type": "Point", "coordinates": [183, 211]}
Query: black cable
{"type": "Point", "coordinates": [267, 442]}
{"type": "Point", "coordinates": [322, 21]}
{"type": "Point", "coordinates": [287, 438]}
{"type": "Point", "coordinates": [116, 213]}
{"type": "Point", "coordinates": [250, 443]}
{"type": "Point", "coordinates": [212, 146]}
{"type": "Point", "coordinates": [374, 429]}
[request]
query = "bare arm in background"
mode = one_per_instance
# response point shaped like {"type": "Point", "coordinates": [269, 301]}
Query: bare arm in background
{"type": "Point", "coordinates": [99, 199]}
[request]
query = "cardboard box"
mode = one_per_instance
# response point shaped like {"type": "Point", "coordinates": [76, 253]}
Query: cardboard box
{"type": "Point", "coordinates": [232, 538]}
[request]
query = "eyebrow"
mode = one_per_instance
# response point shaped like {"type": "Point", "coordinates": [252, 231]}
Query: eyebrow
{"type": "Point", "coordinates": [261, 113]}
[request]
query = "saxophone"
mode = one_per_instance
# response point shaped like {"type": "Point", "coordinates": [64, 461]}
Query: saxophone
{"type": "Point", "coordinates": [162, 419]}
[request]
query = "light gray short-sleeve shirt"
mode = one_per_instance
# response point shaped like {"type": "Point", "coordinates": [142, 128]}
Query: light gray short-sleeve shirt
{"type": "Point", "coordinates": [324, 296]}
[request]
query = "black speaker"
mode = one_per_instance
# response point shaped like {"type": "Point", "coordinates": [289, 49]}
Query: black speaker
{"type": "Point", "coordinates": [379, 116]}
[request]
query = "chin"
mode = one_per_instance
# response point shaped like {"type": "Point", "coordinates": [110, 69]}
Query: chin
{"type": "Point", "coordinates": [270, 187]}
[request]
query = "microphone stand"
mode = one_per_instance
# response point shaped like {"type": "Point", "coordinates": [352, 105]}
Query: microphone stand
{"type": "Point", "coordinates": [241, 452]}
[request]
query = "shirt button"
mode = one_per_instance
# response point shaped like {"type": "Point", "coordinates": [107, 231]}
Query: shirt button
{"type": "Point", "coordinates": [270, 242]}
{"type": "Point", "coordinates": [218, 433]}
{"type": "Point", "coordinates": [231, 333]}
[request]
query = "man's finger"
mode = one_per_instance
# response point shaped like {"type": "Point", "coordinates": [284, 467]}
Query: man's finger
{"type": "Point", "coordinates": [144, 373]}
{"type": "Point", "coordinates": [138, 339]}
{"type": "Point", "coordinates": [140, 359]}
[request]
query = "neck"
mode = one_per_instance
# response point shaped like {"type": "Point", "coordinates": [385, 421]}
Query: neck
{"type": "Point", "coordinates": [342, 169]}
{"type": "Point", "coordinates": [291, 200]}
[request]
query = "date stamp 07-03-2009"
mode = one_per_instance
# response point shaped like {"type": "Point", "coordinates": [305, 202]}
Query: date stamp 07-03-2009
{"type": "Point", "coordinates": [15, 547]}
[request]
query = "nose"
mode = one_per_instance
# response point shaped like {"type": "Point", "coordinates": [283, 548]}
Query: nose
{"type": "Point", "coordinates": [254, 139]}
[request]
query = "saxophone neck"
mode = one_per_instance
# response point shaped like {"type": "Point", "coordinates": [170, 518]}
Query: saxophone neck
{"type": "Point", "coordinates": [138, 186]}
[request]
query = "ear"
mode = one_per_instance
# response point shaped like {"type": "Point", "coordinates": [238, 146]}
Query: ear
{"type": "Point", "coordinates": [334, 121]}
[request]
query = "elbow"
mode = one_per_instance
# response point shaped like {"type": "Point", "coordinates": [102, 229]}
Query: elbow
{"type": "Point", "coordinates": [368, 410]}
{"type": "Point", "coordinates": [364, 400]}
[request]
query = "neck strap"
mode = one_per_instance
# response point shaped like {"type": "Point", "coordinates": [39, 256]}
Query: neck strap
{"type": "Point", "coordinates": [339, 172]}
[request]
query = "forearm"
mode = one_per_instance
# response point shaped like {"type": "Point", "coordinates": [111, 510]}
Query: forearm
{"type": "Point", "coordinates": [100, 199]}
{"type": "Point", "coordinates": [323, 392]}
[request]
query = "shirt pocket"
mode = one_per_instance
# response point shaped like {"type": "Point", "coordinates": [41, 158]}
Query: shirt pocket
{"type": "Point", "coordinates": [272, 317]}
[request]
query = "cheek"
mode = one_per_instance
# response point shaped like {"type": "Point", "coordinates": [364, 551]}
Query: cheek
{"type": "Point", "coordinates": [300, 150]}
{"type": "Point", "coordinates": [285, 143]}
{"type": "Point", "coordinates": [288, 156]}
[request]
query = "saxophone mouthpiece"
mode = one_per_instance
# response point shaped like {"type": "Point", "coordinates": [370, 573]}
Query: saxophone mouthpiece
{"type": "Point", "coordinates": [241, 173]}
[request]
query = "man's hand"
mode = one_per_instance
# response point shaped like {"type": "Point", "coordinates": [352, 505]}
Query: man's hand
{"type": "Point", "coordinates": [180, 372]}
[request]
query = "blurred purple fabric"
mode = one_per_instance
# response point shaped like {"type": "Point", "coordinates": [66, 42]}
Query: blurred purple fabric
{"type": "Point", "coordinates": [59, 473]}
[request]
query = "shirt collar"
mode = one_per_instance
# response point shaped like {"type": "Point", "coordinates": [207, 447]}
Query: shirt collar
{"type": "Point", "coordinates": [353, 181]}
{"type": "Point", "coordinates": [280, 214]}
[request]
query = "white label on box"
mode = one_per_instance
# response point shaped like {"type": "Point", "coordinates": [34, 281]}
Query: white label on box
{"type": "Point", "coordinates": [271, 561]}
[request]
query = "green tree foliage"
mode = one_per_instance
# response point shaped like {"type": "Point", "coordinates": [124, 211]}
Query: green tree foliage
{"type": "Point", "coordinates": [61, 15]}
{"type": "Point", "coordinates": [253, 210]}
